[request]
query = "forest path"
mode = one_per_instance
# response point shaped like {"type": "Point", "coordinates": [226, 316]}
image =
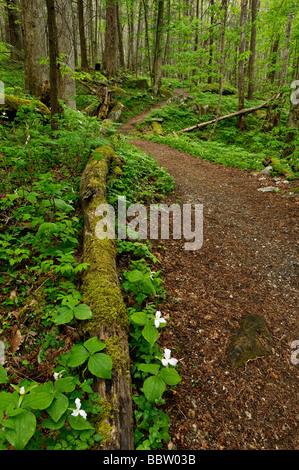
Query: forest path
{"type": "Point", "coordinates": [248, 264]}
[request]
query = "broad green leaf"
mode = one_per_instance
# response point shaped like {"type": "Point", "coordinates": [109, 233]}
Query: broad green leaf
{"type": "Point", "coordinates": [37, 400]}
{"type": "Point", "coordinates": [135, 276]}
{"type": "Point", "coordinates": [151, 368]}
{"type": "Point", "coordinates": [61, 204]}
{"type": "Point", "coordinates": [65, 385]}
{"type": "Point", "coordinates": [94, 345]}
{"type": "Point", "coordinates": [19, 428]}
{"type": "Point", "coordinates": [78, 355]}
{"type": "Point", "coordinates": [153, 388]}
{"type": "Point", "coordinates": [8, 401]}
{"type": "Point", "coordinates": [171, 376]}
{"type": "Point", "coordinates": [100, 365]}
{"type": "Point", "coordinates": [50, 424]}
{"type": "Point", "coordinates": [3, 375]}
{"type": "Point", "coordinates": [64, 315]}
{"type": "Point", "coordinates": [150, 333]}
{"type": "Point", "coordinates": [148, 286]}
{"type": "Point", "coordinates": [79, 423]}
{"type": "Point", "coordinates": [58, 407]}
{"type": "Point", "coordinates": [82, 312]}
{"type": "Point", "coordinates": [140, 318]}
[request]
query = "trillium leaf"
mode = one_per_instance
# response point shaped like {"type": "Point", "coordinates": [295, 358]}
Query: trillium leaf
{"type": "Point", "coordinates": [94, 345]}
{"type": "Point", "coordinates": [148, 286]}
{"type": "Point", "coordinates": [140, 318]}
{"type": "Point", "coordinates": [82, 312]}
{"type": "Point", "coordinates": [64, 315]}
{"type": "Point", "coordinates": [171, 376]}
{"type": "Point", "coordinates": [78, 355]}
{"type": "Point", "coordinates": [135, 276]}
{"type": "Point", "coordinates": [151, 368]}
{"type": "Point", "coordinates": [79, 423]}
{"type": "Point", "coordinates": [150, 333]}
{"type": "Point", "coordinates": [37, 400]}
{"type": "Point", "coordinates": [58, 407]}
{"type": "Point", "coordinates": [50, 424]}
{"type": "Point", "coordinates": [153, 388]}
{"type": "Point", "coordinates": [19, 428]}
{"type": "Point", "coordinates": [65, 385]}
{"type": "Point", "coordinates": [8, 400]}
{"type": "Point", "coordinates": [3, 375]}
{"type": "Point", "coordinates": [100, 365]}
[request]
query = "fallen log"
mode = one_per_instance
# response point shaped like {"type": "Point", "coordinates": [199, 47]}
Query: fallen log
{"type": "Point", "coordinates": [12, 103]}
{"type": "Point", "coordinates": [101, 291]}
{"type": "Point", "coordinates": [237, 113]}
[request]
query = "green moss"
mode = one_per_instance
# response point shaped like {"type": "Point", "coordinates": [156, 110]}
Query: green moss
{"type": "Point", "coordinates": [104, 427]}
{"type": "Point", "coordinates": [114, 346]}
{"type": "Point", "coordinates": [13, 103]}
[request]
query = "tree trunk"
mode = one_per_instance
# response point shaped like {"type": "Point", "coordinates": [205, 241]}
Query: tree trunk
{"type": "Point", "coordinates": [254, 10]}
{"type": "Point", "coordinates": [101, 291]}
{"type": "Point", "coordinates": [120, 38]}
{"type": "Point", "coordinates": [35, 45]}
{"type": "Point", "coordinates": [66, 84]}
{"type": "Point", "coordinates": [157, 79]}
{"type": "Point", "coordinates": [109, 58]}
{"type": "Point", "coordinates": [53, 51]}
{"type": "Point", "coordinates": [241, 73]}
{"type": "Point", "coordinates": [15, 33]}
{"type": "Point", "coordinates": [210, 75]}
{"type": "Point", "coordinates": [286, 50]}
{"type": "Point", "coordinates": [84, 61]}
{"type": "Point", "coordinates": [273, 55]}
{"type": "Point", "coordinates": [292, 124]}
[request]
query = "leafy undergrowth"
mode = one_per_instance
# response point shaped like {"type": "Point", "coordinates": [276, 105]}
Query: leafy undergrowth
{"type": "Point", "coordinates": [47, 400]}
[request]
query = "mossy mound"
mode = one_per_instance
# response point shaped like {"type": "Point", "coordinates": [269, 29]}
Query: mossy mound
{"type": "Point", "coordinates": [250, 341]}
{"type": "Point", "coordinates": [12, 104]}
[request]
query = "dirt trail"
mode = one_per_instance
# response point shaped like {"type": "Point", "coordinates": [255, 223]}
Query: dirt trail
{"type": "Point", "coordinates": [248, 264]}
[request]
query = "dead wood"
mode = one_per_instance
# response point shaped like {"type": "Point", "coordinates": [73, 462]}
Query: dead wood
{"type": "Point", "coordinates": [237, 113]}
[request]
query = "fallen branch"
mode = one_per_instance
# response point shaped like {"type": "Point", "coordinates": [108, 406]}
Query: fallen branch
{"type": "Point", "coordinates": [101, 291]}
{"type": "Point", "coordinates": [237, 113]}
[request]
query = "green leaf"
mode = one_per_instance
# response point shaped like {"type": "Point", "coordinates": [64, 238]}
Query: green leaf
{"type": "Point", "coordinates": [151, 368]}
{"type": "Point", "coordinates": [50, 424]}
{"type": "Point", "coordinates": [3, 375]}
{"type": "Point", "coordinates": [37, 400]}
{"type": "Point", "coordinates": [170, 376]}
{"type": "Point", "coordinates": [65, 385]}
{"type": "Point", "coordinates": [150, 333]}
{"type": "Point", "coordinates": [61, 204]}
{"type": "Point", "coordinates": [64, 315]}
{"type": "Point", "coordinates": [19, 428]}
{"type": "Point", "coordinates": [153, 388]}
{"type": "Point", "coordinates": [79, 423]}
{"type": "Point", "coordinates": [100, 365]}
{"type": "Point", "coordinates": [140, 318]}
{"type": "Point", "coordinates": [148, 286]}
{"type": "Point", "coordinates": [82, 312]}
{"type": "Point", "coordinates": [58, 407]}
{"type": "Point", "coordinates": [94, 345]}
{"type": "Point", "coordinates": [135, 276]}
{"type": "Point", "coordinates": [78, 355]}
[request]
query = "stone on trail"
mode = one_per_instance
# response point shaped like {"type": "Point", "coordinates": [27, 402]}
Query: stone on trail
{"type": "Point", "coordinates": [251, 340]}
{"type": "Point", "coordinates": [268, 189]}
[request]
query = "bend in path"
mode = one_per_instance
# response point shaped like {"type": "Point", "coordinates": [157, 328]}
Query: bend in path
{"type": "Point", "coordinates": [248, 264]}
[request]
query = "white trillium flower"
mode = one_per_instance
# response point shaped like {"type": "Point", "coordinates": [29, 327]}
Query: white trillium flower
{"type": "Point", "coordinates": [168, 359]}
{"type": "Point", "coordinates": [22, 391]}
{"type": "Point", "coordinates": [78, 411]}
{"type": "Point", "coordinates": [57, 375]}
{"type": "Point", "coordinates": [159, 319]}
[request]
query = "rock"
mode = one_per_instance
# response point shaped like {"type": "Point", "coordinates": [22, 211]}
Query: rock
{"type": "Point", "coordinates": [267, 170]}
{"type": "Point", "coordinates": [10, 104]}
{"type": "Point", "coordinates": [250, 341]}
{"type": "Point", "coordinates": [268, 189]}
{"type": "Point", "coordinates": [140, 83]}
{"type": "Point", "coordinates": [166, 93]}
{"type": "Point", "coordinates": [117, 91]}
{"type": "Point", "coordinates": [116, 112]}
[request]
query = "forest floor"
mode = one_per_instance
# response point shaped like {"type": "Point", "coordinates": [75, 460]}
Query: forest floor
{"type": "Point", "coordinates": [248, 263]}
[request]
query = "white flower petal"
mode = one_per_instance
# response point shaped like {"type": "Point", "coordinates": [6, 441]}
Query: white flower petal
{"type": "Point", "coordinates": [83, 414]}
{"type": "Point", "coordinates": [78, 403]}
{"type": "Point", "coordinates": [167, 353]}
{"type": "Point", "coordinates": [75, 413]}
{"type": "Point", "coordinates": [173, 361]}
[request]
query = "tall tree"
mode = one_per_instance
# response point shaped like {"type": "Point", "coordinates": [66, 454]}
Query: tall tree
{"type": "Point", "coordinates": [15, 33]}
{"type": "Point", "coordinates": [241, 68]}
{"type": "Point", "coordinates": [110, 51]}
{"type": "Point", "coordinates": [35, 45]}
{"type": "Point", "coordinates": [53, 51]}
{"type": "Point", "coordinates": [84, 61]}
{"type": "Point", "coordinates": [251, 61]}
{"type": "Point", "coordinates": [157, 77]}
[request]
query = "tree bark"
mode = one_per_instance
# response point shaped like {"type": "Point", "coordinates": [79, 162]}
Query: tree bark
{"type": "Point", "coordinates": [236, 114]}
{"type": "Point", "coordinates": [109, 58]}
{"type": "Point", "coordinates": [157, 79]}
{"type": "Point", "coordinates": [241, 72]}
{"type": "Point", "coordinates": [53, 51]}
{"type": "Point", "coordinates": [83, 49]}
{"type": "Point", "coordinates": [251, 61]}
{"type": "Point", "coordinates": [35, 45]}
{"type": "Point", "coordinates": [101, 291]}
{"type": "Point", "coordinates": [15, 33]}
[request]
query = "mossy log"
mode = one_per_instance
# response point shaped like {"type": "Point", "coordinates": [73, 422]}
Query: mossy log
{"type": "Point", "coordinates": [12, 103]}
{"type": "Point", "coordinates": [101, 291]}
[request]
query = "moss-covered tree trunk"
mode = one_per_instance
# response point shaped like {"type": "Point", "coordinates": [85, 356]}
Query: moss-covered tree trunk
{"type": "Point", "coordinates": [101, 291]}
